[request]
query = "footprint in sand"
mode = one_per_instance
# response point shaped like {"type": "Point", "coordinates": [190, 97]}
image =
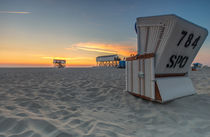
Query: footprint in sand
{"type": "Point", "coordinates": [42, 125]}
{"type": "Point", "coordinates": [7, 124]}
{"type": "Point", "coordinates": [25, 134]}
{"type": "Point", "coordinates": [19, 127]}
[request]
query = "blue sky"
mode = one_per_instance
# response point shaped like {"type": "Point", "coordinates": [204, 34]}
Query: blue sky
{"type": "Point", "coordinates": [50, 25]}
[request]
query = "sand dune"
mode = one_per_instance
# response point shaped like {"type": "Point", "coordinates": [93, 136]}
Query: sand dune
{"type": "Point", "coordinates": [91, 102]}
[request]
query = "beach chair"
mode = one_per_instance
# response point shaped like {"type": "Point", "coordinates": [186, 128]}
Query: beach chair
{"type": "Point", "coordinates": [167, 45]}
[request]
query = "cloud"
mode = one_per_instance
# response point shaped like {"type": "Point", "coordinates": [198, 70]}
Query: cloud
{"type": "Point", "coordinates": [64, 58]}
{"type": "Point", "coordinates": [97, 50]}
{"type": "Point", "coordinates": [105, 48]}
{"type": "Point", "coordinates": [48, 57]}
{"type": "Point", "coordinates": [15, 12]}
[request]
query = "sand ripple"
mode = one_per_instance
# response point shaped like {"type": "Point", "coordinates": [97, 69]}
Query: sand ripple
{"type": "Point", "coordinates": [91, 102]}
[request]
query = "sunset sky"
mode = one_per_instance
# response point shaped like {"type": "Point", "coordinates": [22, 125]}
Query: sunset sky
{"type": "Point", "coordinates": [34, 32]}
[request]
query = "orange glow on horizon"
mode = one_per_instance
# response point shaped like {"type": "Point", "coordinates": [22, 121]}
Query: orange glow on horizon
{"type": "Point", "coordinates": [79, 54]}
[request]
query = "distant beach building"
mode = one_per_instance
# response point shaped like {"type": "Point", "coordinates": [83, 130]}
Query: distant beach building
{"type": "Point", "coordinates": [196, 66]}
{"type": "Point", "coordinates": [121, 64]}
{"type": "Point", "coordinates": [108, 61]}
{"type": "Point", "coordinates": [59, 63]}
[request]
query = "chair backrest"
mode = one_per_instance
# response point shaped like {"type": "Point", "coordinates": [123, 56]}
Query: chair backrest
{"type": "Point", "coordinates": [174, 40]}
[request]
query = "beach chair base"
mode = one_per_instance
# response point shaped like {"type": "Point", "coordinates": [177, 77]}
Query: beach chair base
{"type": "Point", "coordinates": [141, 81]}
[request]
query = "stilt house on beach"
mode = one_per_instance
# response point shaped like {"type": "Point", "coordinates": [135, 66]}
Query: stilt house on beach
{"type": "Point", "coordinates": [108, 61]}
{"type": "Point", "coordinates": [59, 63]}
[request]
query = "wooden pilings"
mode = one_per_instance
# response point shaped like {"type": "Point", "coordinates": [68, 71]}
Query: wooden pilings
{"type": "Point", "coordinates": [114, 63]}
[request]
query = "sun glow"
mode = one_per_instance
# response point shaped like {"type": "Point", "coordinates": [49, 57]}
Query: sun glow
{"type": "Point", "coordinates": [79, 54]}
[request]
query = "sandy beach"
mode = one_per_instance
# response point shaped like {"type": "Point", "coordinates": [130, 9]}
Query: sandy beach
{"type": "Point", "coordinates": [92, 102]}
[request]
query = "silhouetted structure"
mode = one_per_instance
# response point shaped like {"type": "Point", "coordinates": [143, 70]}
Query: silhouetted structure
{"type": "Point", "coordinates": [121, 64]}
{"type": "Point", "coordinates": [196, 66]}
{"type": "Point", "coordinates": [108, 61]}
{"type": "Point", "coordinates": [59, 63]}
